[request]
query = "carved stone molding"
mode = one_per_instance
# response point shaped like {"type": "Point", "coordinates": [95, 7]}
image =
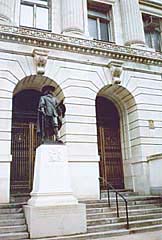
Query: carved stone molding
{"type": "Point", "coordinates": [50, 40]}
{"type": "Point", "coordinates": [40, 59]}
{"type": "Point", "coordinates": [116, 70]}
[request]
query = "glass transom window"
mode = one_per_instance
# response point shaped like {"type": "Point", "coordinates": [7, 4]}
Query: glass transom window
{"type": "Point", "coordinates": [35, 13]}
{"type": "Point", "coordinates": [99, 22]}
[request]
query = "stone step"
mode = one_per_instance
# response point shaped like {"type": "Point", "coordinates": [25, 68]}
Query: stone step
{"type": "Point", "coordinates": [10, 210]}
{"type": "Point", "coordinates": [101, 209]}
{"type": "Point", "coordinates": [130, 203]}
{"type": "Point", "coordinates": [116, 226]}
{"type": "Point", "coordinates": [14, 236]}
{"type": "Point", "coordinates": [11, 216]}
{"type": "Point", "coordinates": [101, 221]}
{"type": "Point", "coordinates": [122, 213]}
{"type": "Point", "coordinates": [126, 193]}
{"type": "Point", "coordinates": [106, 234]}
{"type": "Point", "coordinates": [11, 205]}
{"type": "Point", "coordinates": [123, 191]}
{"type": "Point", "coordinates": [12, 222]}
{"type": "Point", "coordinates": [19, 198]}
{"type": "Point", "coordinates": [13, 229]}
{"type": "Point", "coordinates": [122, 203]}
{"type": "Point", "coordinates": [129, 198]}
{"type": "Point", "coordinates": [135, 200]}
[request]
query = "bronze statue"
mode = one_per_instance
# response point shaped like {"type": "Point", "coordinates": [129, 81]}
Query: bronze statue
{"type": "Point", "coordinates": [50, 114]}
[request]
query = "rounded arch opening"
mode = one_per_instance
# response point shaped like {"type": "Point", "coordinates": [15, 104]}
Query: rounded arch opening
{"type": "Point", "coordinates": [125, 105]}
{"type": "Point", "coordinates": [25, 140]}
{"type": "Point", "coordinates": [109, 144]}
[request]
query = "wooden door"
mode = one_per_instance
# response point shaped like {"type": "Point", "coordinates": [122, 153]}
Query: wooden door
{"type": "Point", "coordinates": [111, 159]}
{"type": "Point", "coordinates": [24, 143]}
{"type": "Point", "coordinates": [109, 144]}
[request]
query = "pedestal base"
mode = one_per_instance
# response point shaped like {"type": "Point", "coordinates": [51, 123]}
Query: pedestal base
{"type": "Point", "coordinates": [55, 220]}
{"type": "Point", "coordinates": [52, 209]}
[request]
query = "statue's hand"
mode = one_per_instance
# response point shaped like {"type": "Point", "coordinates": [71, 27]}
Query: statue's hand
{"type": "Point", "coordinates": [43, 112]}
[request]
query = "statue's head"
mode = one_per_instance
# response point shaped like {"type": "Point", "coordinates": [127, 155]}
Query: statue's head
{"type": "Point", "coordinates": [48, 89]}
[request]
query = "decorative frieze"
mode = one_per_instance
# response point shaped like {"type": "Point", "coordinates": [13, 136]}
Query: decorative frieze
{"type": "Point", "coordinates": [45, 39]}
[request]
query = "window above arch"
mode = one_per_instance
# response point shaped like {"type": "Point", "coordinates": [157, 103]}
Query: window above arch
{"type": "Point", "coordinates": [35, 14]}
{"type": "Point", "coordinates": [100, 21]}
{"type": "Point", "coordinates": [153, 31]}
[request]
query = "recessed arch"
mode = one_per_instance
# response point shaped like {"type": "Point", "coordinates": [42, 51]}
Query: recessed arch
{"type": "Point", "coordinates": [36, 82]}
{"type": "Point", "coordinates": [26, 97]}
{"type": "Point", "coordinates": [125, 104]}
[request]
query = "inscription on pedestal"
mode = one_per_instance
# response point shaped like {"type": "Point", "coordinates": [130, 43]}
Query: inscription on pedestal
{"type": "Point", "coordinates": [55, 156]}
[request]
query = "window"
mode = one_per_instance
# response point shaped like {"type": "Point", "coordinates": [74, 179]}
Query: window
{"type": "Point", "coordinates": [153, 29]}
{"type": "Point", "coordinates": [99, 22]}
{"type": "Point", "coordinates": [35, 13]}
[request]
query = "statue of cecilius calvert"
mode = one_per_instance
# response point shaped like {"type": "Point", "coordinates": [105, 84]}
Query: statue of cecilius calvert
{"type": "Point", "coordinates": [50, 114]}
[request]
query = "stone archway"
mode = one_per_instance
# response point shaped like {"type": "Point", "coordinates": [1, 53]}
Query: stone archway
{"type": "Point", "coordinates": [109, 143]}
{"type": "Point", "coordinates": [124, 103]}
{"type": "Point", "coordinates": [24, 137]}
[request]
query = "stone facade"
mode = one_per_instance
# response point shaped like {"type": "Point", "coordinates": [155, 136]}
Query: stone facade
{"type": "Point", "coordinates": [81, 69]}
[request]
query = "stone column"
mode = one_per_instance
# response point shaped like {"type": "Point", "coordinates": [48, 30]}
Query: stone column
{"type": "Point", "coordinates": [73, 17]}
{"type": "Point", "coordinates": [132, 22]}
{"type": "Point", "coordinates": [7, 11]}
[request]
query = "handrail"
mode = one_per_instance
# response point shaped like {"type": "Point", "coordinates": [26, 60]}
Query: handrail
{"type": "Point", "coordinates": [117, 193]}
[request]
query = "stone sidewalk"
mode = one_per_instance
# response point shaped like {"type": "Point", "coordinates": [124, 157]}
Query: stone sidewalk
{"type": "Point", "coordinates": [157, 235]}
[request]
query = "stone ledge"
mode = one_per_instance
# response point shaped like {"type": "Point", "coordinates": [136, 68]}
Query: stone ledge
{"type": "Point", "coordinates": [46, 39]}
{"type": "Point", "coordinates": [154, 157]}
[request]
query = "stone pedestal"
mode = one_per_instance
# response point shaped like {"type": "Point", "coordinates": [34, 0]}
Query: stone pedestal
{"type": "Point", "coordinates": [52, 205]}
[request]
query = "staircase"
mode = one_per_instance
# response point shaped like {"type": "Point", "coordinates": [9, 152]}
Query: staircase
{"type": "Point", "coordinates": [12, 222]}
{"type": "Point", "coordinates": [145, 214]}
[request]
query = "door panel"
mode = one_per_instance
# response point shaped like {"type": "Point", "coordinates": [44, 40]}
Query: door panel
{"type": "Point", "coordinates": [24, 143]}
{"type": "Point", "coordinates": [111, 159]}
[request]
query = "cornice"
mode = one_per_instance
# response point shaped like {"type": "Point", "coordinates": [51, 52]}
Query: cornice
{"type": "Point", "coordinates": [150, 3]}
{"type": "Point", "coordinates": [43, 39]}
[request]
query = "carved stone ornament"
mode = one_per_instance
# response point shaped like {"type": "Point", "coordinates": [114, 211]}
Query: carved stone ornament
{"type": "Point", "coordinates": [40, 59]}
{"type": "Point", "coordinates": [116, 70]}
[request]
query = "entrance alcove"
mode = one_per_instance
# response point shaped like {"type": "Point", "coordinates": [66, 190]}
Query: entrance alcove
{"type": "Point", "coordinates": [109, 143]}
{"type": "Point", "coordinates": [24, 137]}
{"type": "Point", "coordinates": [114, 105]}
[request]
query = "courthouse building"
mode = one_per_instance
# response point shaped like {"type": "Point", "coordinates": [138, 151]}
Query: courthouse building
{"type": "Point", "coordinates": [104, 59]}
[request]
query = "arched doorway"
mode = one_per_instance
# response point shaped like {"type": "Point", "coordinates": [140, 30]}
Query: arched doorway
{"type": "Point", "coordinates": [109, 143]}
{"type": "Point", "coordinates": [24, 140]}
